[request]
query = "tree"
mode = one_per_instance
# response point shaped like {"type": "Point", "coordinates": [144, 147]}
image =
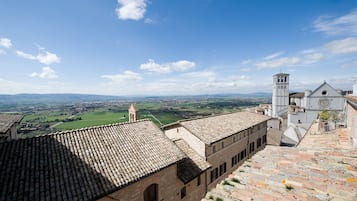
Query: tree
{"type": "Point", "coordinates": [324, 115]}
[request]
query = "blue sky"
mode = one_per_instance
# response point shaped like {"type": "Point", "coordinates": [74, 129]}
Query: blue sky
{"type": "Point", "coordinates": [175, 47]}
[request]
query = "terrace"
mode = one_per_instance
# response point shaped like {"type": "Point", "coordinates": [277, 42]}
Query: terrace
{"type": "Point", "coordinates": [322, 167]}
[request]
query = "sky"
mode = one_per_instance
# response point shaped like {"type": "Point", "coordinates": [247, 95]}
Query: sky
{"type": "Point", "coordinates": [175, 47]}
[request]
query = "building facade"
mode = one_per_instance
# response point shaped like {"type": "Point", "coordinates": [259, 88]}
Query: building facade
{"type": "Point", "coordinates": [224, 141]}
{"type": "Point", "coordinates": [133, 113]}
{"type": "Point", "coordinates": [351, 118]}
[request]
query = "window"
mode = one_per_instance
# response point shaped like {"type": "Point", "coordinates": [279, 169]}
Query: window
{"type": "Point", "coordinates": [214, 149]}
{"type": "Point", "coordinates": [233, 161]}
{"type": "Point", "coordinates": [222, 169]}
{"type": "Point", "coordinates": [183, 192]}
{"type": "Point", "coordinates": [234, 138]}
{"type": "Point", "coordinates": [251, 147]}
{"type": "Point", "coordinates": [199, 180]}
{"type": "Point", "coordinates": [324, 92]}
{"type": "Point", "coordinates": [214, 174]}
{"type": "Point", "coordinates": [150, 193]}
{"type": "Point", "coordinates": [285, 79]}
{"type": "Point", "coordinates": [264, 139]}
{"type": "Point", "coordinates": [259, 142]}
{"type": "Point", "coordinates": [222, 145]}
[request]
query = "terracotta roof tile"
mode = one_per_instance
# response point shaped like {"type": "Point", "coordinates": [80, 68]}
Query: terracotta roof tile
{"type": "Point", "coordinates": [83, 164]}
{"type": "Point", "coordinates": [189, 168]}
{"type": "Point", "coordinates": [212, 129]}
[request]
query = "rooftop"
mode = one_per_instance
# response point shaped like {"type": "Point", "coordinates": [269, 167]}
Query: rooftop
{"type": "Point", "coordinates": [215, 128]}
{"type": "Point", "coordinates": [7, 120]}
{"type": "Point", "coordinates": [322, 167]}
{"type": "Point", "coordinates": [190, 167]}
{"type": "Point", "coordinates": [83, 164]}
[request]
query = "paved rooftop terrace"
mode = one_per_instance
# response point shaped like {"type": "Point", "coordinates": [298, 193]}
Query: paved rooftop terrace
{"type": "Point", "coordinates": [322, 167]}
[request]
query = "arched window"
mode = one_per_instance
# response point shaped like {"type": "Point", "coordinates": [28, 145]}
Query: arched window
{"type": "Point", "coordinates": [324, 92]}
{"type": "Point", "coordinates": [150, 193]}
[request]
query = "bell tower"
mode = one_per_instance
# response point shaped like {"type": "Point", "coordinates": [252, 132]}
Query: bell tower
{"type": "Point", "coordinates": [133, 113]}
{"type": "Point", "coordinates": [280, 99]}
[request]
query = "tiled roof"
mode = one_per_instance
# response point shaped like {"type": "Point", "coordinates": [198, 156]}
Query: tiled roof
{"type": "Point", "coordinates": [7, 120]}
{"type": "Point", "coordinates": [322, 167]}
{"type": "Point", "coordinates": [83, 164]}
{"type": "Point", "coordinates": [212, 129]}
{"type": "Point", "coordinates": [190, 167]}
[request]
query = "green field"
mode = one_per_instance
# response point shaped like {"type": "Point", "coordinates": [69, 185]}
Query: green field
{"type": "Point", "coordinates": [160, 112]}
{"type": "Point", "coordinates": [96, 118]}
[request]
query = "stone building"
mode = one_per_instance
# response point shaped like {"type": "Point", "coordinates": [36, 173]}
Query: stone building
{"type": "Point", "coordinates": [126, 162]}
{"type": "Point", "coordinates": [133, 113]}
{"type": "Point", "coordinates": [8, 124]}
{"type": "Point", "coordinates": [351, 118]}
{"type": "Point", "coordinates": [280, 98]}
{"type": "Point", "coordinates": [224, 141]}
{"type": "Point", "coordinates": [305, 107]}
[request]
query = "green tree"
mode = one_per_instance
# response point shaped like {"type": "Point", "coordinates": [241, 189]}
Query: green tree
{"type": "Point", "coordinates": [324, 115]}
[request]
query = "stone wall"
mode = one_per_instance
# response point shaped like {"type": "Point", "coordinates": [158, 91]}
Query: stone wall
{"type": "Point", "coordinates": [169, 188]}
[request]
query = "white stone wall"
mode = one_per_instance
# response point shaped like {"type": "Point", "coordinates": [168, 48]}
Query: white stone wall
{"type": "Point", "coordinates": [182, 133]}
{"type": "Point", "coordinates": [280, 98]}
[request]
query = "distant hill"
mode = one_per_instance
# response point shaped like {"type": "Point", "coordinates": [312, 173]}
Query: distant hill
{"type": "Point", "coordinates": [54, 98]}
{"type": "Point", "coordinates": [77, 98]}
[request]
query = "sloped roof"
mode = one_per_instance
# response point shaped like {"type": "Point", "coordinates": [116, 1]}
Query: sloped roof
{"type": "Point", "coordinates": [215, 128]}
{"type": "Point", "coordinates": [83, 164]}
{"type": "Point", "coordinates": [189, 168]}
{"type": "Point", "coordinates": [133, 107]}
{"type": "Point", "coordinates": [7, 120]}
{"type": "Point", "coordinates": [327, 86]}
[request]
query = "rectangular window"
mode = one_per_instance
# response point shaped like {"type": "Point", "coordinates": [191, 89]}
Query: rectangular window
{"type": "Point", "coordinates": [222, 145]}
{"type": "Point", "coordinates": [259, 142]}
{"type": "Point", "coordinates": [234, 138]}
{"type": "Point", "coordinates": [214, 174]}
{"type": "Point", "coordinates": [264, 139]}
{"type": "Point", "coordinates": [242, 154]}
{"type": "Point", "coordinates": [251, 147]}
{"type": "Point", "coordinates": [199, 180]}
{"type": "Point", "coordinates": [214, 149]}
{"type": "Point", "coordinates": [183, 192]}
{"type": "Point", "coordinates": [233, 161]}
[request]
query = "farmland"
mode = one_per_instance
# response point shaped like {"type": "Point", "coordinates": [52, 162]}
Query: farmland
{"type": "Point", "coordinates": [47, 118]}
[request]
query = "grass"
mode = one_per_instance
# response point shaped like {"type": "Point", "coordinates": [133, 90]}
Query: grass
{"type": "Point", "coordinates": [289, 187]}
{"type": "Point", "coordinates": [219, 199]}
{"type": "Point", "coordinates": [95, 118]}
{"type": "Point", "coordinates": [235, 180]}
{"type": "Point", "coordinates": [227, 183]}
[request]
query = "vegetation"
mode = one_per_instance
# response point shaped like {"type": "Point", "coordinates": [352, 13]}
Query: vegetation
{"type": "Point", "coordinates": [227, 183]}
{"type": "Point", "coordinates": [324, 115]}
{"type": "Point", "coordinates": [235, 180]}
{"type": "Point", "coordinates": [51, 114]}
{"type": "Point", "coordinates": [289, 187]}
{"type": "Point", "coordinates": [219, 199]}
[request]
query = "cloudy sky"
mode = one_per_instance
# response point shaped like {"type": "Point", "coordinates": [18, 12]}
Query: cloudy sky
{"type": "Point", "coordinates": [175, 47]}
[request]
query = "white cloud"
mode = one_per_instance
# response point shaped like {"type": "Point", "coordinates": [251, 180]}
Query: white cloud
{"type": "Point", "coordinates": [352, 64]}
{"type": "Point", "coordinates": [313, 57]}
{"type": "Point", "coordinates": [5, 42]}
{"type": "Point", "coordinates": [245, 69]}
{"type": "Point", "coordinates": [2, 52]}
{"type": "Point", "coordinates": [124, 77]}
{"type": "Point", "coordinates": [344, 46]}
{"type": "Point", "coordinates": [246, 62]}
{"type": "Point", "coordinates": [279, 62]}
{"type": "Point", "coordinates": [25, 55]}
{"type": "Point", "coordinates": [149, 21]}
{"type": "Point", "coordinates": [43, 57]}
{"type": "Point", "coordinates": [273, 56]}
{"type": "Point", "coordinates": [46, 73]}
{"type": "Point", "coordinates": [47, 58]}
{"type": "Point", "coordinates": [346, 24]}
{"type": "Point", "coordinates": [131, 9]}
{"type": "Point", "coordinates": [182, 65]}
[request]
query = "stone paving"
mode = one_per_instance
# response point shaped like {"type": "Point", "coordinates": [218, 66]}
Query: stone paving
{"type": "Point", "coordinates": [322, 167]}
